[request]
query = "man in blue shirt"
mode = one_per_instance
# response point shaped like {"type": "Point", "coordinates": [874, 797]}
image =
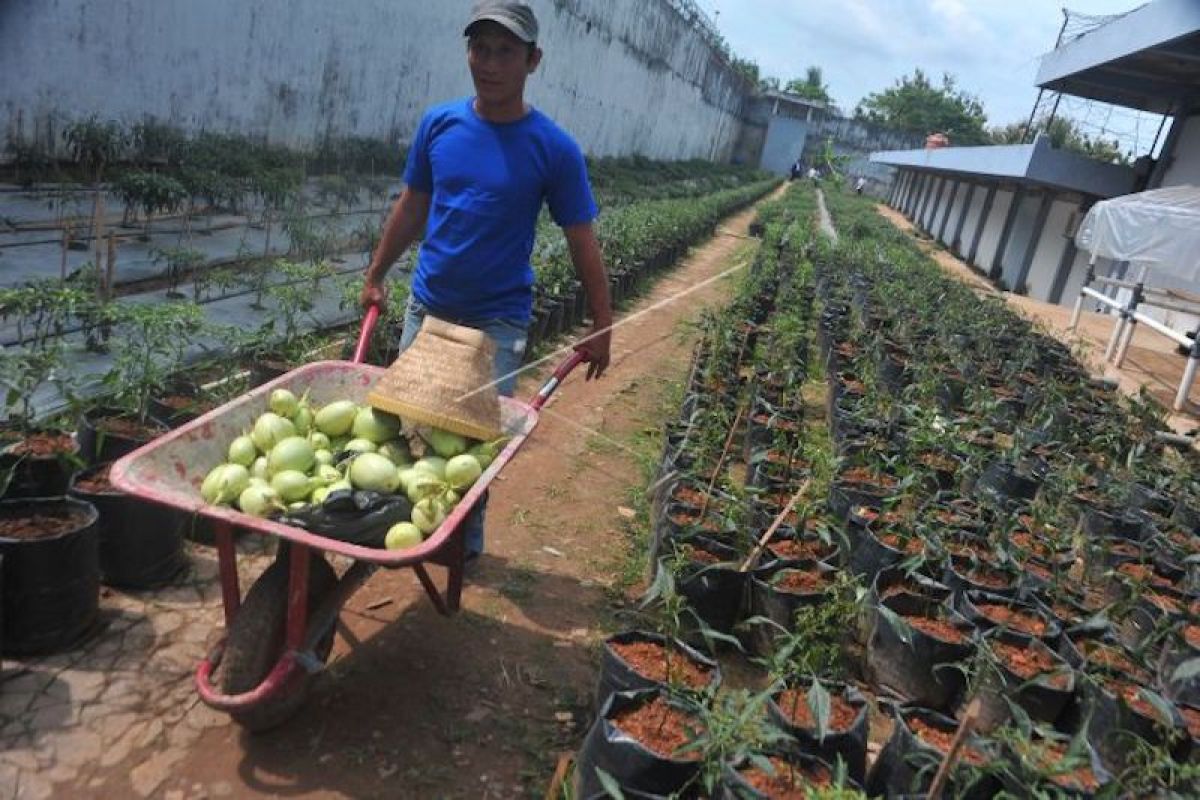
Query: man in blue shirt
{"type": "Point", "coordinates": [478, 172]}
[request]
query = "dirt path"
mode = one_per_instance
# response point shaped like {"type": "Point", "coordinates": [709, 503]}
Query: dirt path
{"type": "Point", "coordinates": [481, 704]}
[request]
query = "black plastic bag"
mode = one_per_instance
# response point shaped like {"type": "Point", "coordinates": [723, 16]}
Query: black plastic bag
{"type": "Point", "coordinates": [360, 518]}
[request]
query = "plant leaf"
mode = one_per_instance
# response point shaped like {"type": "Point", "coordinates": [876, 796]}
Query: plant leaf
{"type": "Point", "coordinates": [898, 625]}
{"type": "Point", "coordinates": [610, 785]}
{"type": "Point", "coordinates": [819, 703]}
{"type": "Point", "coordinates": [1186, 671]}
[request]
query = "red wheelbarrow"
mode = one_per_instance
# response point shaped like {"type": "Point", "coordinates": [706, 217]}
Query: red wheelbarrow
{"type": "Point", "coordinates": [279, 635]}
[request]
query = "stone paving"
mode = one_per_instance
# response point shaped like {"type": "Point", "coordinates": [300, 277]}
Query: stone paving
{"type": "Point", "coordinates": [123, 700]}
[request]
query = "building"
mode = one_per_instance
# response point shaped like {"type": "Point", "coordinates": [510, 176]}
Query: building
{"type": "Point", "coordinates": [1011, 211]}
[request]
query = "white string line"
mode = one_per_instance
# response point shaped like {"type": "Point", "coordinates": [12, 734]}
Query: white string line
{"type": "Point", "coordinates": [608, 439]}
{"type": "Point", "coordinates": [623, 321]}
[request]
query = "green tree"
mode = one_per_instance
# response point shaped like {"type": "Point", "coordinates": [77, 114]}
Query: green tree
{"type": "Point", "coordinates": [916, 105]}
{"type": "Point", "coordinates": [1064, 134]}
{"type": "Point", "coordinates": [746, 68]}
{"type": "Point", "coordinates": [811, 86]}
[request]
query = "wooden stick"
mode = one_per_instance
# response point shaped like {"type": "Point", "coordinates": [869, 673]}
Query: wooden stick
{"type": "Point", "coordinates": [970, 716]}
{"type": "Point", "coordinates": [766, 537]}
{"type": "Point", "coordinates": [712, 481]}
{"type": "Point", "coordinates": [554, 790]}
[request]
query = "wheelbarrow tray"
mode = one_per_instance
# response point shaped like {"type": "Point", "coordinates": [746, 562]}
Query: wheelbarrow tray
{"type": "Point", "coordinates": [170, 469]}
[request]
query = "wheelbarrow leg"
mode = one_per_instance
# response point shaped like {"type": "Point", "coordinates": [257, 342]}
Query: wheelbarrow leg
{"type": "Point", "coordinates": [297, 611]}
{"type": "Point", "coordinates": [231, 593]}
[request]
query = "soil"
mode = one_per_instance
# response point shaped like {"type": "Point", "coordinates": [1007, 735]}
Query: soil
{"type": "Point", "coordinates": [699, 556]}
{"type": "Point", "coordinates": [127, 428]}
{"type": "Point", "coordinates": [1048, 757]}
{"type": "Point", "coordinates": [775, 422]}
{"type": "Point", "coordinates": [43, 444]}
{"type": "Point", "coordinates": [687, 495]}
{"type": "Point", "coordinates": [97, 482]}
{"type": "Point", "coordinates": [1108, 656]}
{"type": "Point", "coordinates": [1029, 662]}
{"type": "Point", "coordinates": [1131, 694]}
{"type": "Point", "coordinates": [795, 581]}
{"type": "Point", "coordinates": [1187, 541]}
{"type": "Point", "coordinates": [41, 524]}
{"type": "Point", "coordinates": [1191, 716]}
{"type": "Point", "coordinates": [989, 578]}
{"type": "Point", "coordinates": [941, 740]}
{"type": "Point", "coordinates": [1026, 541]}
{"type": "Point", "coordinates": [1163, 602]}
{"type": "Point", "coordinates": [910, 545]}
{"type": "Point", "coordinates": [1191, 635]}
{"type": "Point", "coordinates": [939, 629]}
{"type": "Point", "coordinates": [790, 781]}
{"type": "Point", "coordinates": [686, 519]}
{"type": "Point", "coordinates": [1125, 549]}
{"type": "Point", "coordinates": [802, 549]}
{"type": "Point", "coordinates": [649, 659]}
{"type": "Point", "coordinates": [1039, 571]}
{"type": "Point", "coordinates": [659, 728]}
{"type": "Point", "coordinates": [794, 703]}
{"type": "Point", "coordinates": [939, 462]}
{"type": "Point", "coordinates": [1144, 573]}
{"type": "Point", "coordinates": [415, 704]}
{"type": "Point", "coordinates": [1015, 618]}
{"type": "Point", "coordinates": [869, 477]}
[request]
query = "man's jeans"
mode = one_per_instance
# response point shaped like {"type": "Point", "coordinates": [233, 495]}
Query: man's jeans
{"type": "Point", "coordinates": [509, 338]}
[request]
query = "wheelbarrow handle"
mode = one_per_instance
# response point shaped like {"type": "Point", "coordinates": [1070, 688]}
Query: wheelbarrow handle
{"type": "Point", "coordinates": [560, 374]}
{"type": "Point", "coordinates": [364, 337]}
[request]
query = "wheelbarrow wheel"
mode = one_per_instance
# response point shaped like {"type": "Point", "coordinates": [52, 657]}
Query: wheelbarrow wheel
{"type": "Point", "coordinates": [256, 641]}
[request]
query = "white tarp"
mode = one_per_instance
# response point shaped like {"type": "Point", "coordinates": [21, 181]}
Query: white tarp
{"type": "Point", "coordinates": [1159, 229]}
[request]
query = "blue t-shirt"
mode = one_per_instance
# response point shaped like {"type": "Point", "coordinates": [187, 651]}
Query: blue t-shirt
{"type": "Point", "coordinates": [488, 182]}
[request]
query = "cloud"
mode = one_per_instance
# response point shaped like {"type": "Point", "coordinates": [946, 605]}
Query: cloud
{"type": "Point", "coordinates": [863, 46]}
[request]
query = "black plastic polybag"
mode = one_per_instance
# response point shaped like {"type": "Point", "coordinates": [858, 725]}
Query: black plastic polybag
{"type": "Point", "coordinates": [361, 518]}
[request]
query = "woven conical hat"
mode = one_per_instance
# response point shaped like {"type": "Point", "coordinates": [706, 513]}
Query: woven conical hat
{"type": "Point", "coordinates": [444, 379]}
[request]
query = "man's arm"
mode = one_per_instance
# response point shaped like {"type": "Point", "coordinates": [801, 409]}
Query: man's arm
{"type": "Point", "coordinates": [589, 266]}
{"type": "Point", "coordinates": [404, 226]}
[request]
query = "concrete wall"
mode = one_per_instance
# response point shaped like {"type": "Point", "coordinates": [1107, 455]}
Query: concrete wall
{"type": "Point", "coordinates": [1050, 248]}
{"type": "Point", "coordinates": [784, 144]}
{"type": "Point", "coordinates": [971, 226]}
{"type": "Point", "coordinates": [1185, 165]}
{"type": "Point", "coordinates": [1019, 240]}
{"type": "Point", "coordinates": [943, 229]}
{"type": "Point", "coordinates": [856, 140]}
{"type": "Point", "coordinates": [625, 76]}
{"type": "Point", "coordinates": [993, 227]}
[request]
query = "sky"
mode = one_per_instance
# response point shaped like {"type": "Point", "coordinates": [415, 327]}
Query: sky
{"type": "Point", "coordinates": [991, 46]}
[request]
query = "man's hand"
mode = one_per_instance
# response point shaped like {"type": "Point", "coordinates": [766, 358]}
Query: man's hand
{"type": "Point", "coordinates": [595, 349]}
{"type": "Point", "coordinates": [589, 265]}
{"type": "Point", "coordinates": [374, 293]}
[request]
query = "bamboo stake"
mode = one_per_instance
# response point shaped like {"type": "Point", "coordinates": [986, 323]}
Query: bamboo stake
{"type": "Point", "coordinates": [66, 246]}
{"type": "Point", "coordinates": [970, 717]}
{"type": "Point", "coordinates": [766, 537]}
{"type": "Point", "coordinates": [110, 270]}
{"type": "Point", "coordinates": [554, 790]}
{"type": "Point", "coordinates": [712, 481]}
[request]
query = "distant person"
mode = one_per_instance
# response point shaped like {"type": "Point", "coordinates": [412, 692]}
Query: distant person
{"type": "Point", "coordinates": [860, 184]}
{"type": "Point", "coordinates": [813, 175]}
{"type": "Point", "coordinates": [797, 168]}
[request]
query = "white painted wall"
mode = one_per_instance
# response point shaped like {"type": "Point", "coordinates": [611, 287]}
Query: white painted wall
{"type": "Point", "coordinates": [1019, 240]}
{"type": "Point", "coordinates": [784, 144]}
{"type": "Point", "coordinates": [956, 195]}
{"type": "Point", "coordinates": [1050, 249]}
{"type": "Point", "coordinates": [931, 207]}
{"type": "Point", "coordinates": [624, 76]}
{"type": "Point", "coordinates": [1185, 169]}
{"type": "Point", "coordinates": [994, 226]}
{"type": "Point", "coordinates": [971, 226]}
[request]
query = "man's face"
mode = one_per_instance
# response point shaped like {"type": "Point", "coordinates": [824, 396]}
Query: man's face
{"type": "Point", "coordinates": [499, 62]}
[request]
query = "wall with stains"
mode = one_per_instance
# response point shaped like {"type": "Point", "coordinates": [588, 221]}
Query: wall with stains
{"type": "Point", "coordinates": [625, 76]}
